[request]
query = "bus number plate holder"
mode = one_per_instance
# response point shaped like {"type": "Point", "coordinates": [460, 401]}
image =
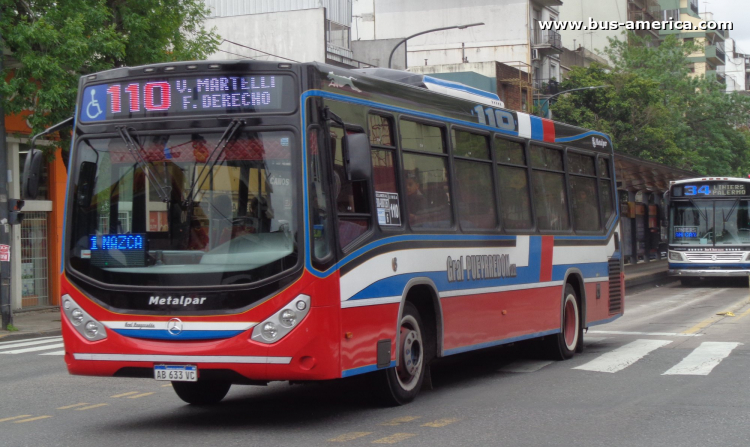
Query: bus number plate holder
{"type": "Point", "coordinates": [176, 373]}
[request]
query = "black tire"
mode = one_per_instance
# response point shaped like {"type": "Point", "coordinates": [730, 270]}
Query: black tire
{"type": "Point", "coordinates": [564, 345]}
{"type": "Point", "coordinates": [201, 393]}
{"type": "Point", "coordinates": [402, 383]}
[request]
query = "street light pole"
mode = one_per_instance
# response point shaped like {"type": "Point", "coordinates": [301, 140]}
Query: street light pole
{"type": "Point", "coordinates": [541, 106]}
{"type": "Point", "coordinates": [428, 31]}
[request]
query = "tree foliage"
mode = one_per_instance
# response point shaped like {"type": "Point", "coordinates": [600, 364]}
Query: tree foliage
{"type": "Point", "coordinates": [53, 43]}
{"type": "Point", "coordinates": [656, 110]}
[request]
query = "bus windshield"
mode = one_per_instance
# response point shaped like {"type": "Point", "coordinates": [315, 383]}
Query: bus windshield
{"type": "Point", "coordinates": [710, 222]}
{"type": "Point", "coordinates": [184, 209]}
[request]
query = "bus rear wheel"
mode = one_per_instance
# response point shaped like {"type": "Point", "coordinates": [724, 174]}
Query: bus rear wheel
{"type": "Point", "coordinates": [403, 382]}
{"type": "Point", "coordinates": [563, 345]}
{"type": "Point", "coordinates": [201, 393]}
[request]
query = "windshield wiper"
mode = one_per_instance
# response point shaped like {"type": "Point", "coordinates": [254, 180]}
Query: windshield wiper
{"type": "Point", "coordinates": [229, 132]}
{"type": "Point", "coordinates": [135, 149]}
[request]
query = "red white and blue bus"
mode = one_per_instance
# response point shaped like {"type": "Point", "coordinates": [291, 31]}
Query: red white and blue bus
{"type": "Point", "coordinates": [709, 228]}
{"type": "Point", "coordinates": [246, 222]}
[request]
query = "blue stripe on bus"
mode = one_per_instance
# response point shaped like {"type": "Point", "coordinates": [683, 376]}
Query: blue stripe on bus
{"type": "Point", "coordinates": [394, 285]}
{"type": "Point", "coordinates": [365, 369]}
{"type": "Point", "coordinates": [605, 321]}
{"type": "Point", "coordinates": [163, 334]}
{"type": "Point", "coordinates": [67, 188]}
{"type": "Point", "coordinates": [504, 341]}
{"type": "Point", "coordinates": [537, 128]}
{"type": "Point", "coordinates": [589, 270]}
{"type": "Point", "coordinates": [709, 266]}
{"type": "Point", "coordinates": [583, 135]}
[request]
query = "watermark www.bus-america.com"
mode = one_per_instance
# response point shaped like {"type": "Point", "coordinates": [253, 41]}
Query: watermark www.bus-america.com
{"type": "Point", "coordinates": [631, 25]}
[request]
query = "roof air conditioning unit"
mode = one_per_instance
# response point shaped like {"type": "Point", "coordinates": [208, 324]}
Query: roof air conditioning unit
{"type": "Point", "coordinates": [535, 55]}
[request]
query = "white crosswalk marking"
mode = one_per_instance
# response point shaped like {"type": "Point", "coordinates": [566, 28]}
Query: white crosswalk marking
{"type": "Point", "coordinates": [623, 356]}
{"type": "Point", "coordinates": [33, 349]}
{"type": "Point", "coordinates": [587, 339]}
{"type": "Point", "coordinates": [22, 343]}
{"type": "Point", "coordinates": [56, 338]}
{"type": "Point", "coordinates": [702, 360]}
{"type": "Point", "coordinates": [525, 366]}
{"type": "Point", "coordinates": [54, 353]}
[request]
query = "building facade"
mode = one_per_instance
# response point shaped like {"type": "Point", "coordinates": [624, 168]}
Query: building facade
{"type": "Point", "coordinates": [510, 34]}
{"type": "Point", "coordinates": [736, 70]}
{"type": "Point", "coordinates": [284, 30]}
{"type": "Point", "coordinates": [711, 52]}
{"type": "Point", "coordinates": [35, 243]}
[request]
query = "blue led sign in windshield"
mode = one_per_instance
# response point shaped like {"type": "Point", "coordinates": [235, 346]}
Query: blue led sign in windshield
{"type": "Point", "coordinates": [117, 250]}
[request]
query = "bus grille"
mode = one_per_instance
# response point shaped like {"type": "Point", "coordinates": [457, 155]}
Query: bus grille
{"type": "Point", "coordinates": [714, 257]}
{"type": "Point", "coordinates": [615, 287]}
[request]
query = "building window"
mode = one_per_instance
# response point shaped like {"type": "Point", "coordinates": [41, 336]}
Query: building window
{"type": "Point", "coordinates": [337, 34]}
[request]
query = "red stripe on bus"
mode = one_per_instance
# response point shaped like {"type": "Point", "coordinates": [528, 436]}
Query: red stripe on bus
{"type": "Point", "coordinates": [549, 130]}
{"type": "Point", "coordinates": [545, 270]}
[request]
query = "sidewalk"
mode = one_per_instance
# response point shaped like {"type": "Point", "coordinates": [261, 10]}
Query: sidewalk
{"type": "Point", "coordinates": [39, 323]}
{"type": "Point", "coordinates": [33, 323]}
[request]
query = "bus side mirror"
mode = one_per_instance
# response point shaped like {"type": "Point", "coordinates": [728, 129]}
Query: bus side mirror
{"type": "Point", "coordinates": [86, 180]}
{"type": "Point", "coordinates": [32, 173]}
{"type": "Point", "coordinates": [358, 158]}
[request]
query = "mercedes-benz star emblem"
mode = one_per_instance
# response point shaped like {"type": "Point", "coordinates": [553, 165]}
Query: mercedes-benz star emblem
{"type": "Point", "coordinates": [713, 257]}
{"type": "Point", "coordinates": [174, 326]}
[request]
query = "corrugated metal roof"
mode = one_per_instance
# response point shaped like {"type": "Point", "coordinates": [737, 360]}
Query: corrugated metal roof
{"type": "Point", "coordinates": [339, 11]}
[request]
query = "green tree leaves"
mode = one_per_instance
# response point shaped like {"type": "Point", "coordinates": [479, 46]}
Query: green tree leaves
{"type": "Point", "coordinates": [655, 110]}
{"type": "Point", "coordinates": [53, 43]}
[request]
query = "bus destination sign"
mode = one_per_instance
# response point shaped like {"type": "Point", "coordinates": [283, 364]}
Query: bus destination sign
{"type": "Point", "coordinates": [184, 96]}
{"type": "Point", "coordinates": [722, 189]}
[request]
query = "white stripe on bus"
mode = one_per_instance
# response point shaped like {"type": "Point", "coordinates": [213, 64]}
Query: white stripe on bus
{"type": "Point", "coordinates": [184, 358]}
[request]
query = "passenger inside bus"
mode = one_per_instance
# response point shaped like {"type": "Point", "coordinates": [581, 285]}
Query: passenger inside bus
{"type": "Point", "coordinates": [414, 198]}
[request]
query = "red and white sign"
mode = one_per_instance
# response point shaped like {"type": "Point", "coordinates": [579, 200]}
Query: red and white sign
{"type": "Point", "coordinates": [4, 253]}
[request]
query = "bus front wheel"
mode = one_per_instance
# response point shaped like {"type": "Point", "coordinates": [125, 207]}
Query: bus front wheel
{"type": "Point", "coordinates": [201, 393]}
{"type": "Point", "coordinates": [403, 382]}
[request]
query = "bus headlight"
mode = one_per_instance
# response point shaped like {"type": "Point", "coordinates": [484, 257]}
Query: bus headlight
{"type": "Point", "coordinates": [278, 325]}
{"type": "Point", "coordinates": [92, 330]}
{"type": "Point", "coordinates": [676, 256]}
{"type": "Point", "coordinates": [288, 318]}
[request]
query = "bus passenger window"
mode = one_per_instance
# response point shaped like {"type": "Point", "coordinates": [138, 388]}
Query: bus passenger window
{"type": "Point", "coordinates": [475, 188]}
{"type": "Point", "coordinates": [384, 171]}
{"type": "Point", "coordinates": [425, 156]}
{"type": "Point", "coordinates": [583, 192]}
{"type": "Point", "coordinates": [550, 201]}
{"type": "Point", "coordinates": [512, 174]}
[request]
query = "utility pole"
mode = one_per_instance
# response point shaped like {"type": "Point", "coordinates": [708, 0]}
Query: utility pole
{"type": "Point", "coordinates": [5, 309]}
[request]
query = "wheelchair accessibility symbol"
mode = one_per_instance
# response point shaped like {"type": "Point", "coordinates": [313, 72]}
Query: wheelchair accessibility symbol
{"type": "Point", "coordinates": [93, 110]}
{"type": "Point", "coordinates": [93, 104]}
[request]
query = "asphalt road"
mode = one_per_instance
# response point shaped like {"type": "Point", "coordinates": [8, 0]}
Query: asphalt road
{"type": "Point", "coordinates": [671, 372]}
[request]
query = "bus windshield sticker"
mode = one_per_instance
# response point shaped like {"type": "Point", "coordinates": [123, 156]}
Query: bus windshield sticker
{"type": "Point", "coordinates": [388, 209]}
{"type": "Point", "coordinates": [685, 232]}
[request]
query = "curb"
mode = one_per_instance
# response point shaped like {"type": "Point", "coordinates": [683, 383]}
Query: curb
{"type": "Point", "coordinates": [21, 335]}
{"type": "Point", "coordinates": [652, 278]}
